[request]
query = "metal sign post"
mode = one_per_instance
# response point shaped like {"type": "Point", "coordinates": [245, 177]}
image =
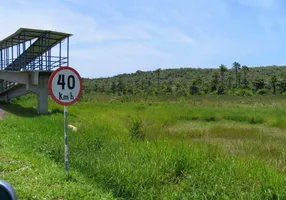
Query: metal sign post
{"type": "Point", "coordinates": [65, 87]}
{"type": "Point", "coordinates": [66, 140]}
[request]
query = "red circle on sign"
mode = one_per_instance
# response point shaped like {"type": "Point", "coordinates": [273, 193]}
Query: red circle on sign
{"type": "Point", "coordinates": [51, 89]}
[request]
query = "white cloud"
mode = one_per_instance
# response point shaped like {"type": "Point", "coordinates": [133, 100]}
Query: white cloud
{"type": "Point", "coordinates": [266, 4]}
{"type": "Point", "coordinates": [58, 17]}
{"type": "Point", "coordinates": [183, 38]}
{"type": "Point", "coordinates": [107, 60]}
{"type": "Point", "coordinates": [174, 35]}
{"type": "Point", "coordinates": [120, 51]}
{"type": "Point", "coordinates": [74, 1]}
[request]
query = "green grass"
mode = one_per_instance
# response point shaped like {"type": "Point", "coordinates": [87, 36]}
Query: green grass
{"type": "Point", "coordinates": [35, 176]}
{"type": "Point", "coordinates": [214, 149]}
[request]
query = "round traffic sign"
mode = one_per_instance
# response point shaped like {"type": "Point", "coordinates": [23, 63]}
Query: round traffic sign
{"type": "Point", "coordinates": [65, 86]}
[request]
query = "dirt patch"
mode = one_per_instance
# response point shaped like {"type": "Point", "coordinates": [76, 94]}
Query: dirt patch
{"type": "Point", "coordinates": [2, 113]}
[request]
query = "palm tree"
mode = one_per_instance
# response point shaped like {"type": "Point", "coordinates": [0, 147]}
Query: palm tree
{"type": "Point", "coordinates": [223, 69]}
{"type": "Point", "coordinates": [236, 67]}
{"type": "Point", "coordinates": [258, 83]}
{"type": "Point", "coordinates": [274, 82]}
{"type": "Point", "coordinates": [158, 71]}
{"type": "Point", "coordinates": [245, 69]}
{"type": "Point", "coordinates": [214, 81]}
{"type": "Point", "coordinates": [229, 82]}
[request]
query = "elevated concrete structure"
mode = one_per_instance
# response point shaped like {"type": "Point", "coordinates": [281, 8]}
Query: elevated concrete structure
{"type": "Point", "coordinates": [26, 63]}
{"type": "Point", "coordinates": [26, 82]}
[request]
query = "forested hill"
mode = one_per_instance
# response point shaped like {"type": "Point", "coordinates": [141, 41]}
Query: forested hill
{"type": "Point", "coordinates": [239, 80]}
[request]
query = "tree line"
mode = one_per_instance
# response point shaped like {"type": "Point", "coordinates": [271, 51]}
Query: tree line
{"type": "Point", "coordinates": [235, 80]}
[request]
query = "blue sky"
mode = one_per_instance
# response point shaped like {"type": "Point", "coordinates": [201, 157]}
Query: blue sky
{"type": "Point", "coordinates": [123, 36]}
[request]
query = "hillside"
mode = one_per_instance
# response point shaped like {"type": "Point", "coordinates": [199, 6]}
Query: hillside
{"type": "Point", "coordinates": [186, 81]}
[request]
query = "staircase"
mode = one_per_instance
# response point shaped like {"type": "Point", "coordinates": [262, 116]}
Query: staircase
{"type": "Point", "coordinates": [6, 85]}
{"type": "Point", "coordinates": [36, 50]}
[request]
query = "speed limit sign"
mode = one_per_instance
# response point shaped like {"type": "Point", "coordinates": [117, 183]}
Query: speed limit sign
{"type": "Point", "coordinates": [65, 86]}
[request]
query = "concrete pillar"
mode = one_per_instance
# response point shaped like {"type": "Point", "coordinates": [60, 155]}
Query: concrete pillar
{"type": "Point", "coordinates": [43, 93]}
{"type": "Point", "coordinates": [7, 99]}
{"type": "Point", "coordinates": [1, 86]}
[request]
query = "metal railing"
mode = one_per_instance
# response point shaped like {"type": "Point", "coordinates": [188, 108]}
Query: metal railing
{"type": "Point", "coordinates": [36, 64]}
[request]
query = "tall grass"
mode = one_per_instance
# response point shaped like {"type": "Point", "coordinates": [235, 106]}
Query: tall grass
{"type": "Point", "coordinates": [172, 151]}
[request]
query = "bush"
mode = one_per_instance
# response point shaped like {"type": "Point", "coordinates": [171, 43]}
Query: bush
{"type": "Point", "coordinates": [244, 92]}
{"type": "Point", "coordinates": [136, 129]}
{"type": "Point", "coordinates": [262, 91]}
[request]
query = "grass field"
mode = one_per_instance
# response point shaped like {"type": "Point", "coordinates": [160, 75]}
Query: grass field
{"type": "Point", "coordinates": [215, 148]}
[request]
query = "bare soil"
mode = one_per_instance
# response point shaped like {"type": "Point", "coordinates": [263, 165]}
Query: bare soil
{"type": "Point", "coordinates": [2, 113]}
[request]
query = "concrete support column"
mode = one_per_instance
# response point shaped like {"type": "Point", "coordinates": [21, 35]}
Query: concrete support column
{"type": "Point", "coordinates": [1, 86]}
{"type": "Point", "coordinates": [7, 99]}
{"type": "Point", "coordinates": [43, 94]}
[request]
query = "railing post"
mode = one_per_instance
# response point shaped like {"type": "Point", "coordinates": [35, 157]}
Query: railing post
{"type": "Point", "coordinates": [60, 52]}
{"type": "Point", "coordinates": [68, 49]}
{"type": "Point", "coordinates": [12, 56]}
{"type": "Point", "coordinates": [45, 52]}
{"type": "Point", "coordinates": [48, 50]}
{"type": "Point", "coordinates": [4, 58]}
{"type": "Point", "coordinates": [18, 52]}
{"type": "Point", "coordinates": [1, 59]}
{"type": "Point", "coordinates": [7, 55]}
{"type": "Point", "coordinates": [31, 55]}
{"type": "Point", "coordinates": [24, 49]}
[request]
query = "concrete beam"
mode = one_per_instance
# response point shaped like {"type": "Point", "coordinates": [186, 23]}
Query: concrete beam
{"type": "Point", "coordinates": [23, 77]}
{"type": "Point", "coordinates": [12, 76]}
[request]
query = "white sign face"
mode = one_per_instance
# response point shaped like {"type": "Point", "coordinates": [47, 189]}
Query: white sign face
{"type": "Point", "coordinates": [65, 85]}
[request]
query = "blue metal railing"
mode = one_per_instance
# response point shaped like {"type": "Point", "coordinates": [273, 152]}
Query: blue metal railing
{"type": "Point", "coordinates": [33, 56]}
{"type": "Point", "coordinates": [36, 64]}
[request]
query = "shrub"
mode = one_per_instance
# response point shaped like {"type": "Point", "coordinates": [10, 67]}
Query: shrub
{"type": "Point", "coordinates": [244, 92]}
{"type": "Point", "coordinates": [136, 129]}
{"type": "Point", "coordinates": [262, 91]}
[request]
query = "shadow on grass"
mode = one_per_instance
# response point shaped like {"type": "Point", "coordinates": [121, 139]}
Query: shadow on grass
{"type": "Point", "coordinates": [24, 111]}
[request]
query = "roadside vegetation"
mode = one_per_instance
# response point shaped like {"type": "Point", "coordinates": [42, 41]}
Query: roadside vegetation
{"type": "Point", "coordinates": [126, 147]}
